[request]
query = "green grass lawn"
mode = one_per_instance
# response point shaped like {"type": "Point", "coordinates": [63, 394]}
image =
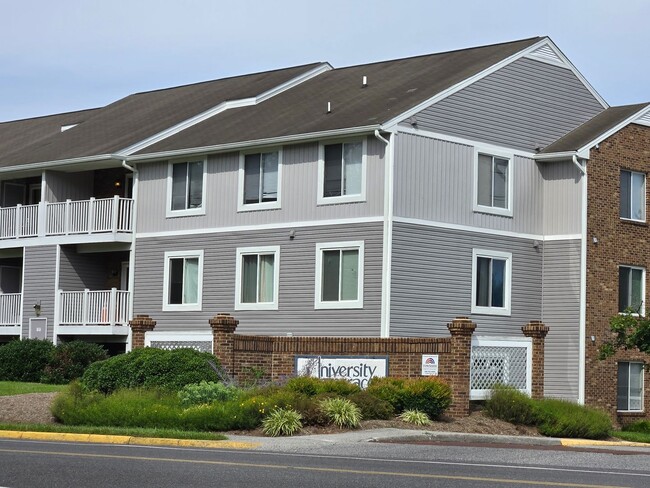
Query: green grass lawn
{"type": "Point", "coordinates": [18, 388]}
{"type": "Point", "coordinates": [633, 436]}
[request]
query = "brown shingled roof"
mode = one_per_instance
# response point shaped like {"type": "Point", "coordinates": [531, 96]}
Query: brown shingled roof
{"type": "Point", "coordinates": [590, 130]}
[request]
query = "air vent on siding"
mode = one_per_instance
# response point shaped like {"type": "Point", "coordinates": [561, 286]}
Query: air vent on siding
{"type": "Point", "coordinates": [546, 54]}
{"type": "Point", "coordinates": [645, 119]}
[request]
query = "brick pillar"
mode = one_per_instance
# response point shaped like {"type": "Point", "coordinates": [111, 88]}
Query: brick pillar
{"type": "Point", "coordinates": [461, 329]}
{"type": "Point", "coordinates": [140, 325]}
{"type": "Point", "coordinates": [537, 331]}
{"type": "Point", "coordinates": [223, 329]}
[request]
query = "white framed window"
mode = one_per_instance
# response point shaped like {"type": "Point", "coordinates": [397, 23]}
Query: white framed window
{"type": "Point", "coordinates": [342, 172]}
{"type": "Point", "coordinates": [260, 180]}
{"type": "Point", "coordinates": [186, 187]}
{"type": "Point", "coordinates": [629, 387]}
{"type": "Point", "coordinates": [631, 289]}
{"type": "Point", "coordinates": [183, 280]}
{"type": "Point", "coordinates": [632, 206]}
{"type": "Point", "coordinates": [493, 182]}
{"type": "Point", "coordinates": [491, 282]}
{"type": "Point", "coordinates": [339, 275]}
{"type": "Point", "coordinates": [257, 278]}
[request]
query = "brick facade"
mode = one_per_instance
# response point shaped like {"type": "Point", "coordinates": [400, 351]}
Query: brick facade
{"type": "Point", "coordinates": [611, 242]}
{"type": "Point", "coordinates": [140, 325]}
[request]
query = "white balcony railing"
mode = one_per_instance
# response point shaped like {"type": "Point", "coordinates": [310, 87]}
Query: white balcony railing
{"type": "Point", "coordinates": [103, 307]}
{"type": "Point", "coordinates": [93, 216]}
{"type": "Point", "coordinates": [10, 309]}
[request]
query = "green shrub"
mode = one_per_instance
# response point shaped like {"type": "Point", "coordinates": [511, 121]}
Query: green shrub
{"type": "Point", "coordinates": [150, 368]}
{"type": "Point", "coordinates": [372, 407]}
{"type": "Point", "coordinates": [282, 422]}
{"type": "Point", "coordinates": [415, 417]}
{"type": "Point", "coordinates": [429, 395]}
{"type": "Point", "coordinates": [25, 360]}
{"type": "Point", "coordinates": [642, 426]}
{"type": "Point", "coordinates": [509, 404]}
{"type": "Point", "coordinates": [206, 392]}
{"type": "Point", "coordinates": [69, 360]}
{"type": "Point", "coordinates": [309, 409]}
{"type": "Point", "coordinates": [341, 412]}
{"type": "Point", "coordinates": [559, 418]}
{"type": "Point", "coordinates": [310, 386]}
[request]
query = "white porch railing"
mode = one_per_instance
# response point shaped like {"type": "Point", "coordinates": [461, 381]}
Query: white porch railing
{"type": "Point", "coordinates": [103, 307]}
{"type": "Point", "coordinates": [10, 308]}
{"type": "Point", "coordinates": [96, 215]}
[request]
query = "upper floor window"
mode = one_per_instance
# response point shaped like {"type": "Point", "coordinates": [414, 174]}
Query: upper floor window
{"type": "Point", "coordinates": [631, 289]}
{"type": "Point", "coordinates": [257, 278]}
{"type": "Point", "coordinates": [342, 172]}
{"type": "Point", "coordinates": [259, 180]}
{"type": "Point", "coordinates": [493, 184]}
{"type": "Point", "coordinates": [183, 280]}
{"type": "Point", "coordinates": [491, 282]}
{"type": "Point", "coordinates": [339, 275]}
{"type": "Point", "coordinates": [629, 387]}
{"type": "Point", "coordinates": [632, 195]}
{"type": "Point", "coordinates": [186, 181]}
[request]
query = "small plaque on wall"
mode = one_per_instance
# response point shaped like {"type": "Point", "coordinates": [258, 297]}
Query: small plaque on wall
{"type": "Point", "coordinates": [429, 365]}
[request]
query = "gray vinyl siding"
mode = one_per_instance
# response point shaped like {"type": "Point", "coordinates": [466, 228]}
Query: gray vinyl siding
{"type": "Point", "coordinates": [561, 312]}
{"type": "Point", "coordinates": [434, 182]}
{"type": "Point", "coordinates": [60, 186]}
{"type": "Point", "coordinates": [526, 105]}
{"type": "Point", "coordinates": [562, 198]}
{"type": "Point", "coordinates": [296, 313]}
{"type": "Point", "coordinates": [299, 189]}
{"type": "Point", "coordinates": [39, 285]}
{"type": "Point", "coordinates": [80, 271]}
{"type": "Point", "coordinates": [432, 281]}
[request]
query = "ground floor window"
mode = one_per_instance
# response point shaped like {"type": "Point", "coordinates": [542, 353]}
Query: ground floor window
{"type": "Point", "coordinates": [630, 387]}
{"type": "Point", "coordinates": [339, 275]}
{"type": "Point", "coordinates": [257, 278]}
{"type": "Point", "coordinates": [183, 280]}
{"type": "Point", "coordinates": [631, 289]}
{"type": "Point", "coordinates": [491, 282]}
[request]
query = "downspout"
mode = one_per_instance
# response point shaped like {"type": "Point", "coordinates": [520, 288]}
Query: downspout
{"type": "Point", "coordinates": [134, 197]}
{"type": "Point", "coordinates": [583, 283]}
{"type": "Point", "coordinates": [387, 247]}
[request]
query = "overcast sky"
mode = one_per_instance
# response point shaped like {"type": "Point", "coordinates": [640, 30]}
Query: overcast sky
{"type": "Point", "coordinates": [64, 55]}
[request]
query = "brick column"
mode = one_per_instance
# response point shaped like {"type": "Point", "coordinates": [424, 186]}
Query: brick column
{"type": "Point", "coordinates": [140, 325]}
{"type": "Point", "coordinates": [537, 331]}
{"type": "Point", "coordinates": [223, 329]}
{"type": "Point", "coordinates": [461, 329]}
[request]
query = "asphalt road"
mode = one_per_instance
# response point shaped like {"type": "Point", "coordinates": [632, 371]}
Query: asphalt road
{"type": "Point", "coordinates": [53, 464]}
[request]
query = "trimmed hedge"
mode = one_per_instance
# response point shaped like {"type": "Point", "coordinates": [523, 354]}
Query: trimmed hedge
{"type": "Point", "coordinates": [70, 359]}
{"type": "Point", "coordinates": [25, 360]}
{"type": "Point", "coordinates": [150, 368]}
{"type": "Point", "coordinates": [429, 395]}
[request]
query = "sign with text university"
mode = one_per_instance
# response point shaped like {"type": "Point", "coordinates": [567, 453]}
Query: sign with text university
{"type": "Point", "coordinates": [356, 369]}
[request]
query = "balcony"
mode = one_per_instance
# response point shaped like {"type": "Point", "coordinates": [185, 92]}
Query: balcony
{"type": "Point", "coordinates": [96, 312]}
{"type": "Point", "coordinates": [10, 313]}
{"type": "Point", "coordinates": [94, 220]}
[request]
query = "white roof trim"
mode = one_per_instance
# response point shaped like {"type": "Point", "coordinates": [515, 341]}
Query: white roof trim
{"type": "Point", "coordinates": [644, 119]}
{"type": "Point", "coordinates": [544, 43]}
{"type": "Point", "coordinates": [222, 107]}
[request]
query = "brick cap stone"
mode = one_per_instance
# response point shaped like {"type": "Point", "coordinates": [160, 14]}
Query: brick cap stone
{"type": "Point", "coordinates": [535, 329]}
{"type": "Point", "coordinates": [224, 322]}
{"type": "Point", "coordinates": [461, 326]}
{"type": "Point", "coordinates": [142, 323]}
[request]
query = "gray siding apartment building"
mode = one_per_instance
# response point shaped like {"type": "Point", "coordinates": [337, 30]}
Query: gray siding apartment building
{"type": "Point", "coordinates": [374, 200]}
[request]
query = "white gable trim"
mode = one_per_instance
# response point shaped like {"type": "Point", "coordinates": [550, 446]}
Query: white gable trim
{"type": "Point", "coordinates": [222, 107]}
{"type": "Point", "coordinates": [544, 43]}
{"type": "Point", "coordinates": [546, 54]}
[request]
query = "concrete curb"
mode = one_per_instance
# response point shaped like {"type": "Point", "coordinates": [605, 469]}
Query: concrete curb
{"type": "Point", "coordinates": [125, 440]}
{"type": "Point", "coordinates": [470, 438]}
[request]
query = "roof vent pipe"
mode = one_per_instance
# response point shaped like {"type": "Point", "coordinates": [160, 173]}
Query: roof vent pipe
{"type": "Point", "coordinates": [364, 82]}
{"type": "Point", "coordinates": [329, 107]}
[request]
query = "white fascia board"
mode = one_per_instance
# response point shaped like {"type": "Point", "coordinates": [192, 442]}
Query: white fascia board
{"type": "Point", "coordinates": [222, 107]}
{"type": "Point", "coordinates": [635, 118]}
{"type": "Point", "coordinates": [273, 141]}
{"type": "Point", "coordinates": [61, 162]}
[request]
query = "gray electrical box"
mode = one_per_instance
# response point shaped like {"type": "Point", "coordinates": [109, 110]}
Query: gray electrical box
{"type": "Point", "coordinates": [38, 328]}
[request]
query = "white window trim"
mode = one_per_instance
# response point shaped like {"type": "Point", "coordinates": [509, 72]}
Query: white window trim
{"type": "Point", "coordinates": [642, 287]}
{"type": "Point", "coordinates": [643, 204]}
{"type": "Point", "coordinates": [241, 206]}
{"type": "Point", "coordinates": [507, 212]}
{"type": "Point", "coordinates": [642, 409]}
{"type": "Point", "coordinates": [242, 251]}
{"type": "Point", "coordinates": [507, 292]}
{"type": "Point", "coordinates": [361, 197]}
{"type": "Point", "coordinates": [187, 211]}
{"type": "Point", "coordinates": [338, 246]}
{"type": "Point", "coordinates": [168, 307]}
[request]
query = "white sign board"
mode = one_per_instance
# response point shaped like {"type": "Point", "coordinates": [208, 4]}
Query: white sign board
{"type": "Point", "coordinates": [429, 365]}
{"type": "Point", "coordinates": [355, 369]}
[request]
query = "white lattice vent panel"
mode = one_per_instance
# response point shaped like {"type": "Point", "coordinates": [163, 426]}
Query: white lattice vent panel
{"type": "Point", "coordinates": [506, 364]}
{"type": "Point", "coordinates": [546, 54]}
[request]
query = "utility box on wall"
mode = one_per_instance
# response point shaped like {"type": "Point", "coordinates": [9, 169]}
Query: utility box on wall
{"type": "Point", "coordinates": [38, 328]}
